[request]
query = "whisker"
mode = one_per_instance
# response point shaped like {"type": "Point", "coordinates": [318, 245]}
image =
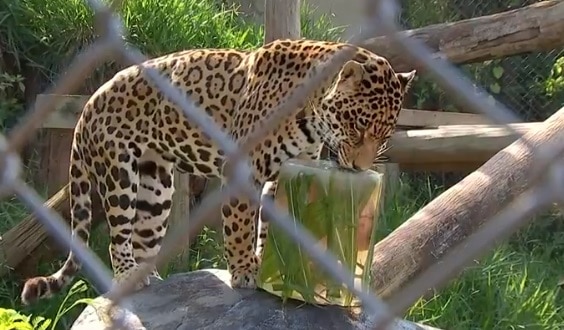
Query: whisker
{"type": "Point", "coordinates": [329, 136]}
{"type": "Point", "coordinates": [332, 144]}
{"type": "Point", "coordinates": [332, 149]}
{"type": "Point", "coordinates": [382, 150]}
{"type": "Point", "coordinates": [380, 158]}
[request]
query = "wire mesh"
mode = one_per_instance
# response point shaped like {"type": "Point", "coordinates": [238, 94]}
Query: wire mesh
{"type": "Point", "coordinates": [381, 19]}
{"type": "Point", "coordinates": [521, 82]}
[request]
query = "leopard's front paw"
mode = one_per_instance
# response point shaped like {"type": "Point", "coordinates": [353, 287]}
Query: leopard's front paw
{"type": "Point", "coordinates": [245, 277]}
{"type": "Point", "coordinates": [125, 276]}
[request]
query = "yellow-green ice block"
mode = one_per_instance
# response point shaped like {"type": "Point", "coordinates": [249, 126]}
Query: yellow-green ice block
{"type": "Point", "coordinates": [340, 209]}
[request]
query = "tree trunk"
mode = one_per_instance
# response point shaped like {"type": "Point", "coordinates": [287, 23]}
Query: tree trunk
{"type": "Point", "coordinates": [532, 28]}
{"type": "Point", "coordinates": [421, 241]}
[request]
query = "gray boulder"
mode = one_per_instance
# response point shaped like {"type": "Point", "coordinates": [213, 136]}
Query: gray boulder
{"type": "Point", "coordinates": [204, 300]}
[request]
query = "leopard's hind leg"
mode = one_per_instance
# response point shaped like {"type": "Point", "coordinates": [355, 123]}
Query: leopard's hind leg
{"type": "Point", "coordinates": [154, 202]}
{"type": "Point", "coordinates": [118, 189]}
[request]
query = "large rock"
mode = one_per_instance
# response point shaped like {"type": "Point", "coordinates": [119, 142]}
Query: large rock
{"type": "Point", "coordinates": [204, 300]}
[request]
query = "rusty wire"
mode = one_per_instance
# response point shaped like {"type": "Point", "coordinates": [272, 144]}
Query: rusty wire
{"type": "Point", "coordinates": [381, 19]}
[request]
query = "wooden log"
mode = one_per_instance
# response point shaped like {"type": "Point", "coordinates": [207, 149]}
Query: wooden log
{"type": "Point", "coordinates": [466, 145]}
{"type": "Point", "coordinates": [531, 28]}
{"type": "Point", "coordinates": [27, 243]}
{"type": "Point", "coordinates": [445, 222]}
{"type": "Point", "coordinates": [24, 240]}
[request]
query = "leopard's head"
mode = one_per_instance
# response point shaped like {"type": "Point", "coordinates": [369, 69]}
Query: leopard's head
{"type": "Point", "coordinates": [363, 108]}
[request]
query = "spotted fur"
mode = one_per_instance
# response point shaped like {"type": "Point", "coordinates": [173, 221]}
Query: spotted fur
{"type": "Point", "coordinates": [130, 137]}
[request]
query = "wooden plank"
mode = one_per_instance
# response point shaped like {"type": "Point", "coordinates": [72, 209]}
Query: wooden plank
{"type": "Point", "coordinates": [180, 199]}
{"type": "Point", "coordinates": [459, 144]}
{"type": "Point", "coordinates": [448, 144]}
{"type": "Point", "coordinates": [65, 115]}
{"type": "Point", "coordinates": [441, 167]}
{"type": "Point", "coordinates": [427, 118]}
{"type": "Point", "coordinates": [456, 147]}
{"type": "Point", "coordinates": [70, 106]}
{"type": "Point", "coordinates": [520, 127]}
{"type": "Point", "coordinates": [179, 215]}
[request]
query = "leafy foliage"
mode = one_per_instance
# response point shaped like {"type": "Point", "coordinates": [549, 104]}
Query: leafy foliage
{"type": "Point", "coordinates": [328, 203]}
{"type": "Point", "coordinates": [14, 320]}
{"type": "Point", "coordinates": [555, 84]}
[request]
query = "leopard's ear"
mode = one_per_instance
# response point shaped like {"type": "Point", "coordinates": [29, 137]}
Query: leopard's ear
{"type": "Point", "coordinates": [406, 78]}
{"type": "Point", "coordinates": [352, 70]}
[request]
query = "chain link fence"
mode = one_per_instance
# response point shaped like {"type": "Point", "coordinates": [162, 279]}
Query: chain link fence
{"type": "Point", "coordinates": [521, 82]}
{"type": "Point", "coordinates": [381, 16]}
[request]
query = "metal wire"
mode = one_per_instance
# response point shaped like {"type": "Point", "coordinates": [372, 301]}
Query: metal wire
{"type": "Point", "coordinates": [381, 19]}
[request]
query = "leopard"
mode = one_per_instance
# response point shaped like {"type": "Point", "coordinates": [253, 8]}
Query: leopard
{"type": "Point", "coordinates": [131, 137]}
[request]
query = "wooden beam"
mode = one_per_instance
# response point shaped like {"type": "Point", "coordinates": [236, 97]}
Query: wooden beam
{"type": "Point", "coordinates": [447, 146]}
{"type": "Point", "coordinates": [470, 144]}
{"type": "Point", "coordinates": [421, 241]}
{"type": "Point", "coordinates": [69, 108]}
{"type": "Point", "coordinates": [54, 153]}
{"type": "Point", "coordinates": [426, 118]}
{"type": "Point", "coordinates": [65, 115]}
{"type": "Point", "coordinates": [440, 167]}
{"type": "Point", "coordinates": [532, 28]}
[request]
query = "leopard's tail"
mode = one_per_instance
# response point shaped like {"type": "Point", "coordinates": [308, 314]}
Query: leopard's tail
{"type": "Point", "coordinates": [81, 214]}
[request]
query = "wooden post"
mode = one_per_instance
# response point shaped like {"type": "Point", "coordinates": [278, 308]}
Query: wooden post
{"type": "Point", "coordinates": [281, 20]}
{"type": "Point", "coordinates": [180, 212]}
